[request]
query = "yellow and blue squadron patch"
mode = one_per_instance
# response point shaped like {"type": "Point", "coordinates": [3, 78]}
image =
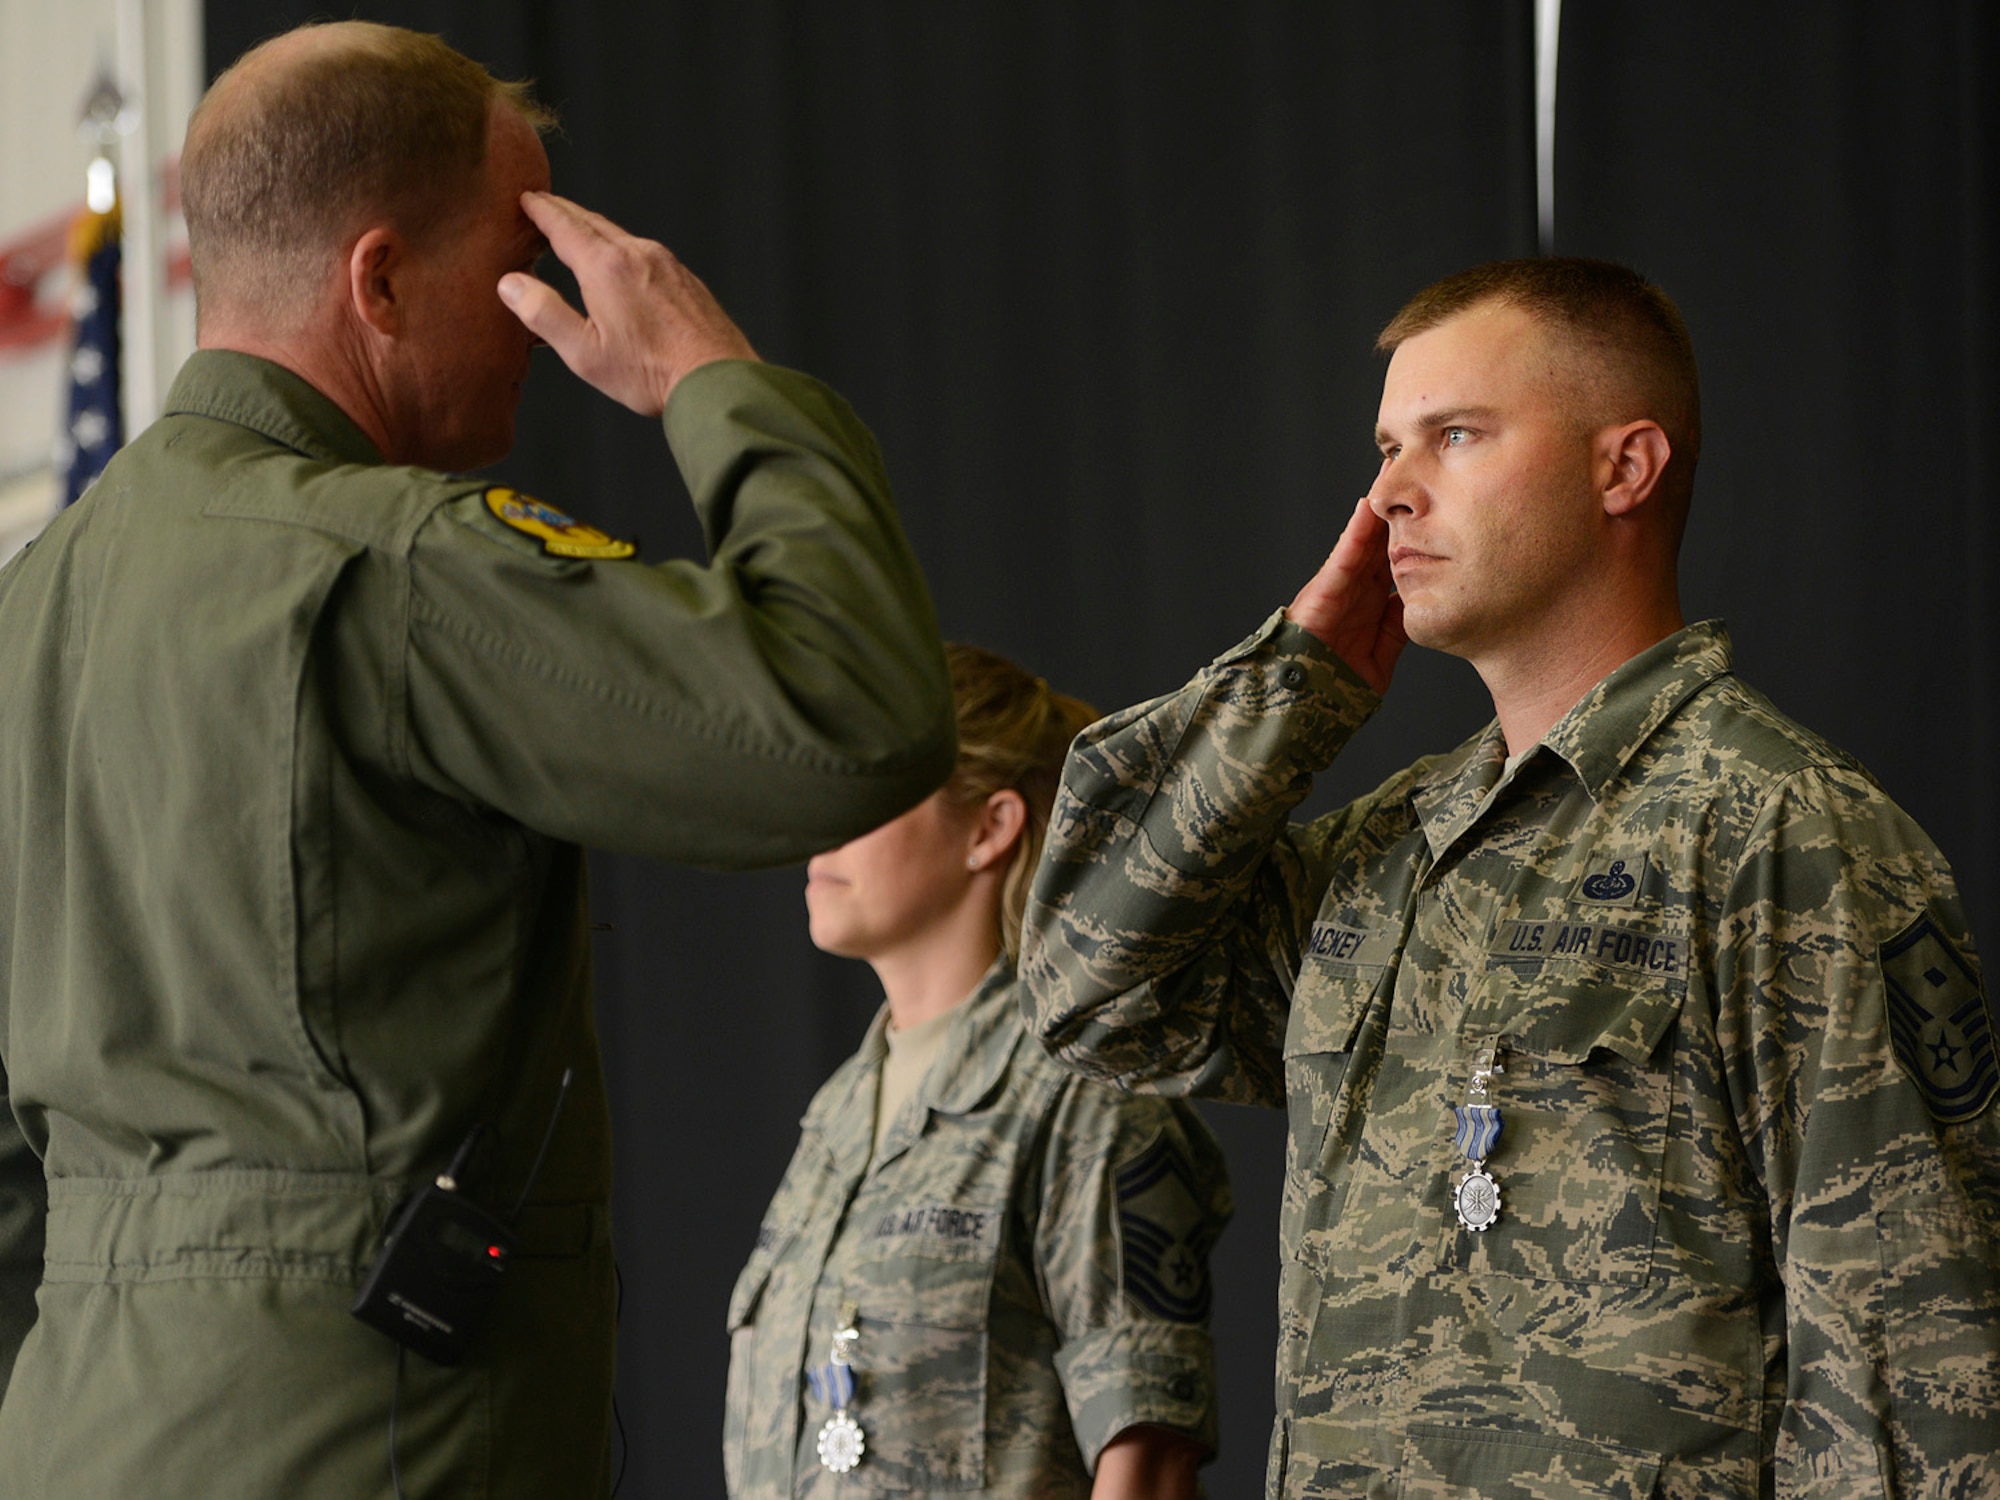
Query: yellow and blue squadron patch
{"type": "Point", "coordinates": [560, 535]}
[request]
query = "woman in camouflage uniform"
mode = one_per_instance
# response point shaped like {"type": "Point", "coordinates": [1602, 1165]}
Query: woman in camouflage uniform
{"type": "Point", "coordinates": [981, 1273]}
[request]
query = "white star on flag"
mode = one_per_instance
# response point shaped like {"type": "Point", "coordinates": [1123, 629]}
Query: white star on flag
{"type": "Point", "coordinates": [89, 429]}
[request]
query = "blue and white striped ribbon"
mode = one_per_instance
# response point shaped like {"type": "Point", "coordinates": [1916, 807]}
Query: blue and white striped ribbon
{"type": "Point", "coordinates": [1478, 1130]}
{"type": "Point", "coordinates": [832, 1383]}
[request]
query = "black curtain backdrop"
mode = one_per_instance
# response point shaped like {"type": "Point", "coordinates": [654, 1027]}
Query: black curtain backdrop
{"type": "Point", "coordinates": [1104, 278]}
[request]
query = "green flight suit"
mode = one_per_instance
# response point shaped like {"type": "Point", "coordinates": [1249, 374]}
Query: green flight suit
{"type": "Point", "coordinates": [296, 756]}
{"type": "Point", "coordinates": [1027, 1263]}
{"type": "Point", "coordinates": [1748, 1239]}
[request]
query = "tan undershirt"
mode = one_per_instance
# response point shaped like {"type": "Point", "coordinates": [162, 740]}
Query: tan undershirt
{"type": "Point", "coordinates": [912, 1050]}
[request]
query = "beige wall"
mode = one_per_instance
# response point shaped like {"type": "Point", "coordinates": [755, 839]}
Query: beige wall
{"type": "Point", "coordinates": [49, 55]}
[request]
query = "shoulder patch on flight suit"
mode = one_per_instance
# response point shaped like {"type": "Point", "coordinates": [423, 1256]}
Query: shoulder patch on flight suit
{"type": "Point", "coordinates": [1163, 1231]}
{"type": "Point", "coordinates": [560, 535]}
{"type": "Point", "coordinates": [1939, 1023]}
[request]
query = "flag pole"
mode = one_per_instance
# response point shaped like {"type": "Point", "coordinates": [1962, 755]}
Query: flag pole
{"type": "Point", "coordinates": [1548, 32]}
{"type": "Point", "coordinates": [94, 428]}
{"type": "Point", "coordinates": [143, 282]}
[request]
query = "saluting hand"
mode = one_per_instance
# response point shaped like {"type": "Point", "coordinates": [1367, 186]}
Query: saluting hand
{"type": "Point", "coordinates": [1351, 602]}
{"type": "Point", "coordinates": [647, 320]}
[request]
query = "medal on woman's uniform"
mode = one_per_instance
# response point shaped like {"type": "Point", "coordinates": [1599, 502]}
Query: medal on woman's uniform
{"type": "Point", "coordinates": [1477, 1198]}
{"type": "Point", "coordinates": [841, 1440]}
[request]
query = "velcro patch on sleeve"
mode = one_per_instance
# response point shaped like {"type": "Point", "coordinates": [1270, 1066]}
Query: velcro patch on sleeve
{"type": "Point", "coordinates": [1939, 1022]}
{"type": "Point", "coordinates": [559, 534]}
{"type": "Point", "coordinates": [1165, 1233]}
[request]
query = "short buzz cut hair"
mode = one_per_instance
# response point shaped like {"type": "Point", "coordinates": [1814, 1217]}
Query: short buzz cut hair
{"type": "Point", "coordinates": [310, 137]}
{"type": "Point", "coordinates": [1624, 344]}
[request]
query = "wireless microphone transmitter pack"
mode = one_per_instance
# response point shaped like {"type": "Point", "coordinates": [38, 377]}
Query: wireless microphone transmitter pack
{"type": "Point", "coordinates": [432, 1287]}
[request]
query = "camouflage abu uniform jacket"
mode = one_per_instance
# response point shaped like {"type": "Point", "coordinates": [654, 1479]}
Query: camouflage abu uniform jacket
{"type": "Point", "coordinates": [1749, 1171]}
{"type": "Point", "coordinates": [1027, 1262]}
{"type": "Point", "coordinates": [299, 749]}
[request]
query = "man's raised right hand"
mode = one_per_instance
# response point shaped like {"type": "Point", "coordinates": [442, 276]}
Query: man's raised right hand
{"type": "Point", "coordinates": [1351, 602]}
{"type": "Point", "coordinates": [647, 321]}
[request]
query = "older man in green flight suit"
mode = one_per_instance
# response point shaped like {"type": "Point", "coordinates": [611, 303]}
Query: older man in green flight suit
{"type": "Point", "coordinates": [300, 737]}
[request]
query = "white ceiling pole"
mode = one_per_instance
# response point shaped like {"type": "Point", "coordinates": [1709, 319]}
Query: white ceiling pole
{"type": "Point", "coordinates": [1548, 29]}
{"type": "Point", "coordinates": [139, 199]}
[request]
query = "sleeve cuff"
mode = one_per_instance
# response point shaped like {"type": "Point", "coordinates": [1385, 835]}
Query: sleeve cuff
{"type": "Point", "coordinates": [1288, 672]}
{"type": "Point", "coordinates": [1160, 1374]}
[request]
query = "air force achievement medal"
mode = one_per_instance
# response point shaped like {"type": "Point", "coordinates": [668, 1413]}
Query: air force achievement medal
{"type": "Point", "coordinates": [1477, 1200]}
{"type": "Point", "coordinates": [841, 1440]}
{"type": "Point", "coordinates": [841, 1443]}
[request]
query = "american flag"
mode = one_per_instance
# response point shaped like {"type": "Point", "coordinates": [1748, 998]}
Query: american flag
{"type": "Point", "coordinates": [96, 426]}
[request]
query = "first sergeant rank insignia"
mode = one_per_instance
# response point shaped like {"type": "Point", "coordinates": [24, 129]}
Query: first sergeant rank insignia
{"type": "Point", "coordinates": [1939, 1023]}
{"type": "Point", "coordinates": [560, 535]}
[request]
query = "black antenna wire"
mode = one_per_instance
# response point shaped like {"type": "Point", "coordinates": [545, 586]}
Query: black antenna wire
{"type": "Point", "coordinates": [396, 1401]}
{"type": "Point", "coordinates": [460, 1160]}
{"type": "Point", "coordinates": [541, 1155]}
{"type": "Point", "coordinates": [617, 1416]}
{"type": "Point", "coordinates": [463, 1157]}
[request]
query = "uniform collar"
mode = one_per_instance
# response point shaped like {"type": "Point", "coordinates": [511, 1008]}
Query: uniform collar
{"type": "Point", "coordinates": [978, 1046]}
{"type": "Point", "coordinates": [1595, 739]}
{"type": "Point", "coordinates": [971, 1060]}
{"type": "Point", "coordinates": [271, 400]}
{"type": "Point", "coordinates": [1605, 730]}
{"type": "Point", "coordinates": [842, 1115]}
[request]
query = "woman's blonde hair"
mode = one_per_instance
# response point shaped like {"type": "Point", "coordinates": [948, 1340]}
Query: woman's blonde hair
{"type": "Point", "coordinates": [1013, 732]}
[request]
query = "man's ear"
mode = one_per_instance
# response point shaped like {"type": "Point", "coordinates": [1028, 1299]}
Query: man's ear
{"type": "Point", "coordinates": [1631, 458]}
{"type": "Point", "coordinates": [375, 270]}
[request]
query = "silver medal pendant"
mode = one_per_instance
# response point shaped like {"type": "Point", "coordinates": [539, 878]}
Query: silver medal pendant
{"type": "Point", "coordinates": [1477, 1199]}
{"type": "Point", "coordinates": [841, 1443]}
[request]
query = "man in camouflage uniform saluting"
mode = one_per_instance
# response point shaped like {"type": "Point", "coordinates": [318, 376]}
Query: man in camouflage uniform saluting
{"type": "Point", "coordinates": [1639, 1071]}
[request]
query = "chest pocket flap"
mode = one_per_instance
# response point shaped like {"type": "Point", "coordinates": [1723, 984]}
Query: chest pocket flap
{"type": "Point", "coordinates": [924, 1293]}
{"type": "Point", "coordinates": [1344, 968]}
{"type": "Point", "coordinates": [1622, 1014]}
{"type": "Point", "coordinates": [1586, 1093]}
